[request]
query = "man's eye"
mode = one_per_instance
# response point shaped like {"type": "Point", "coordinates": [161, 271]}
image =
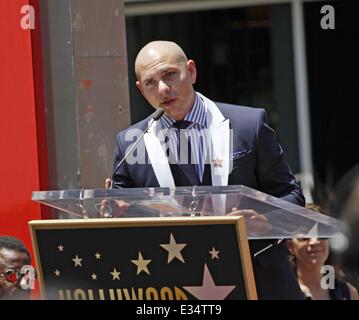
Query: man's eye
{"type": "Point", "coordinates": [148, 83]}
{"type": "Point", "coordinates": [170, 74]}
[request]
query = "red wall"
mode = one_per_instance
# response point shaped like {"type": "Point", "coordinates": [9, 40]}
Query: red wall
{"type": "Point", "coordinates": [22, 138]}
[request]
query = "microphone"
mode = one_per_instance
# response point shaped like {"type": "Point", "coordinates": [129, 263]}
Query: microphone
{"type": "Point", "coordinates": [155, 117]}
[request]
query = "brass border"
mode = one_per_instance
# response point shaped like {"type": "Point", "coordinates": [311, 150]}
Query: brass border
{"type": "Point", "coordinates": [37, 259]}
{"type": "Point", "coordinates": [246, 259]}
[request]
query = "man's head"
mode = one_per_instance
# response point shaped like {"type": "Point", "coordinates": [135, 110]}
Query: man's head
{"type": "Point", "coordinates": [13, 256]}
{"type": "Point", "coordinates": [165, 78]}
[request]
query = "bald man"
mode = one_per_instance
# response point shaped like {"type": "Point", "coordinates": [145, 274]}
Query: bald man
{"type": "Point", "coordinates": [166, 77]}
{"type": "Point", "coordinates": [191, 145]}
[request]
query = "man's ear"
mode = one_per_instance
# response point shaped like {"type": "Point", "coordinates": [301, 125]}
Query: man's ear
{"type": "Point", "coordinates": [139, 86]}
{"type": "Point", "coordinates": [191, 66]}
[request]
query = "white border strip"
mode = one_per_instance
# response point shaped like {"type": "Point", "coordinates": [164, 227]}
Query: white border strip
{"type": "Point", "coordinates": [302, 100]}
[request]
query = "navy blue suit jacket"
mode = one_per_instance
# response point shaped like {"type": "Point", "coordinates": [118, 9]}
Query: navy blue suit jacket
{"type": "Point", "coordinates": [259, 163]}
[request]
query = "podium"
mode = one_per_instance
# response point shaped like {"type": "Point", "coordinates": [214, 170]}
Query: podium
{"type": "Point", "coordinates": [161, 243]}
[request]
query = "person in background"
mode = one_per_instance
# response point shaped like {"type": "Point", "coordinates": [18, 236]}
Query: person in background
{"type": "Point", "coordinates": [344, 206]}
{"type": "Point", "coordinates": [13, 257]}
{"type": "Point", "coordinates": [309, 255]}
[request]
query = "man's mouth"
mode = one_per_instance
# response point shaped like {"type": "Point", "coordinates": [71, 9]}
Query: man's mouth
{"type": "Point", "coordinates": [168, 102]}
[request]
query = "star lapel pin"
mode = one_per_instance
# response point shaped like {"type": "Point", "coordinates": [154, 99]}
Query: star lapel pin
{"type": "Point", "coordinates": [217, 162]}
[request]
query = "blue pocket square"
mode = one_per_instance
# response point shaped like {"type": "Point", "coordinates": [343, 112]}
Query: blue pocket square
{"type": "Point", "coordinates": [240, 153]}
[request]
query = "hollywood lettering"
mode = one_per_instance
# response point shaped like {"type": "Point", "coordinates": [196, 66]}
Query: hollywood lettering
{"type": "Point", "coordinates": [149, 293]}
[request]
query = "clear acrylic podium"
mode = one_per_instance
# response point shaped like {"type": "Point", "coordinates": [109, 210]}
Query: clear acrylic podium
{"type": "Point", "coordinates": [281, 219]}
{"type": "Point", "coordinates": [159, 243]}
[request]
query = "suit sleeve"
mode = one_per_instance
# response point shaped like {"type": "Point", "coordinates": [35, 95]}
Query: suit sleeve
{"type": "Point", "coordinates": [122, 177]}
{"type": "Point", "coordinates": [273, 172]}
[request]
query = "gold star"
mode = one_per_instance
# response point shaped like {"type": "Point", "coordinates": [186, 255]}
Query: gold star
{"type": "Point", "coordinates": [218, 162]}
{"type": "Point", "coordinates": [94, 276]}
{"type": "Point", "coordinates": [214, 253]}
{"type": "Point", "coordinates": [77, 261]}
{"type": "Point", "coordinates": [61, 247]}
{"type": "Point", "coordinates": [141, 264]}
{"type": "Point", "coordinates": [209, 290]}
{"type": "Point", "coordinates": [174, 249]}
{"type": "Point", "coordinates": [115, 274]}
{"type": "Point", "coordinates": [57, 273]}
{"type": "Point", "coordinates": [98, 256]}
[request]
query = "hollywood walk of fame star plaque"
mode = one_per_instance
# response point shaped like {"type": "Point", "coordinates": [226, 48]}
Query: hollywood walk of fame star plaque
{"type": "Point", "coordinates": [172, 258]}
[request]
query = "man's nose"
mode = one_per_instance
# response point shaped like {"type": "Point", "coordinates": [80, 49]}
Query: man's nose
{"type": "Point", "coordinates": [163, 87]}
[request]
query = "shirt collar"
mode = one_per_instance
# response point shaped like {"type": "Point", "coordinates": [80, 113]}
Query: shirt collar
{"type": "Point", "coordinates": [197, 115]}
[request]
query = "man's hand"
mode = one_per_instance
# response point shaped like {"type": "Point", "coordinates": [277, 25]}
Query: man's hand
{"type": "Point", "coordinates": [108, 183]}
{"type": "Point", "coordinates": [257, 224]}
{"type": "Point", "coordinates": [112, 207]}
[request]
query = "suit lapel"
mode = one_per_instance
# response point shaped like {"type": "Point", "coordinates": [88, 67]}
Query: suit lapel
{"type": "Point", "coordinates": [158, 158]}
{"type": "Point", "coordinates": [220, 147]}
